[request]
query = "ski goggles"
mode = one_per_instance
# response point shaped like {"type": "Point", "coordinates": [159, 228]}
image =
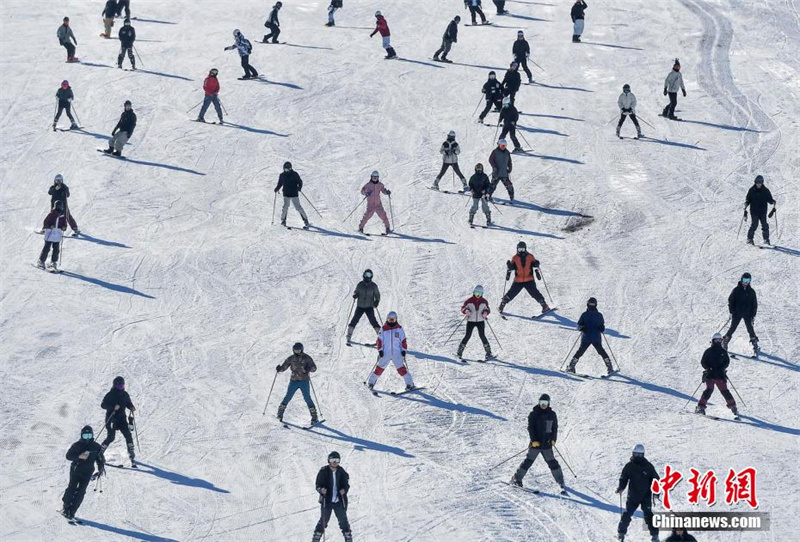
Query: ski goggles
{"type": "Point", "coordinates": [334, 461]}
{"type": "Point", "coordinates": [392, 320]}
{"type": "Point", "coordinates": [544, 404]}
{"type": "Point", "coordinates": [522, 250]}
{"type": "Point", "coordinates": [87, 436]}
{"type": "Point", "coordinates": [501, 145]}
{"type": "Point", "coordinates": [746, 281]}
{"type": "Point", "coordinates": [368, 275]}
{"type": "Point", "coordinates": [477, 294]}
{"type": "Point", "coordinates": [119, 386]}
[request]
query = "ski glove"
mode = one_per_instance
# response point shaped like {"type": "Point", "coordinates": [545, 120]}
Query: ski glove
{"type": "Point", "coordinates": [509, 265]}
{"type": "Point", "coordinates": [619, 490]}
{"type": "Point", "coordinates": [403, 353]}
{"type": "Point", "coordinates": [130, 420]}
{"type": "Point", "coordinates": [380, 353]}
{"type": "Point", "coordinates": [705, 375]}
{"type": "Point", "coordinates": [278, 368]}
{"type": "Point", "coordinates": [745, 214]}
{"type": "Point", "coordinates": [665, 91]}
{"type": "Point", "coordinates": [355, 296]}
{"type": "Point", "coordinates": [552, 443]}
{"type": "Point", "coordinates": [388, 192]}
{"type": "Point", "coordinates": [684, 93]}
{"type": "Point", "coordinates": [535, 444]}
{"type": "Point", "coordinates": [508, 274]}
{"type": "Point", "coordinates": [772, 212]}
{"type": "Point", "coordinates": [538, 275]}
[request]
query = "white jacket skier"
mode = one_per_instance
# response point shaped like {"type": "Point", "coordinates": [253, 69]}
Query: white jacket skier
{"type": "Point", "coordinates": [392, 347]}
{"type": "Point", "coordinates": [674, 82]}
{"type": "Point", "coordinates": [627, 102]}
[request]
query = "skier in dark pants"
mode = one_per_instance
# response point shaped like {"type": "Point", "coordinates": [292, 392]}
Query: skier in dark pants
{"type": "Point", "coordinates": [114, 403]}
{"type": "Point", "coordinates": [591, 325]}
{"type": "Point", "coordinates": [335, 4]}
{"type": "Point", "coordinates": [481, 187]}
{"type": "Point", "coordinates": [84, 454]}
{"type": "Point", "coordinates": [500, 160]}
{"type": "Point", "coordinates": [523, 264]}
{"type": "Point", "coordinates": [521, 51]}
{"type": "Point", "coordinates": [501, 6]}
{"type": "Point", "coordinates": [577, 19]}
{"type": "Point", "coordinates": [127, 35]}
{"type": "Point", "coordinates": [627, 107]}
{"type": "Point", "coordinates": [512, 82]}
{"type": "Point", "coordinates": [123, 131]}
{"type": "Point", "coordinates": [211, 91]}
{"type": "Point", "coordinates": [715, 365]}
{"type": "Point", "coordinates": [672, 84]}
{"type": "Point", "coordinates": [448, 39]}
{"type": "Point", "coordinates": [637, 476]}
{"type": "Point", "coordinates": [742, 305]}
{"type": "Point", "coordinates": [301, 366]}
{"type": "Point", "coordinates": [475, 8]}
{"type": "Point", "coordinates": [273, 24]}
{"type": "Point", "coordinates": [244, 48]}
{"type": "Point", "coordinates": [60, 192]}
{"type": "Point", "coordinates": [758, 199]}
{"type": "Point", "coordinates": [493, 90]}
{"type": "Point", "coordinates": [292, 185]}
{"type": "Point", "coordinates": [450, 151]}
{"type": "Point", "coordinates": [367, 296]}
{"type": "Point", "coordinates": [126, 5]}
{"type": "Point", "coordinates": [65, 38]}
{"type": "Point", "coordinates": [332, 484]}
{"type": "Point", "coordinates": [54, 226]}
{"type": "Point", "coordinates": [64, 96]}
{"type": "Point", "coordinates": [543, 432]}
{"type": "Point", "coordinates": [509, 117]}
{"type": "Point", "coordinates": [475, 310]}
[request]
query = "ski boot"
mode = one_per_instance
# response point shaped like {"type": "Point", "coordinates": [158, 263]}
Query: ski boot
{"type": "Point", "coordinates": [281, 410]}
{"type": "Point", "coordinates": [735, 412]}
{"type": "Point", "coordinates": [489, 221]}
{"type": "Point", "coordinates": [435, 185]}
{"type": "Point", "coordinates": [348, 537]}
{"type": "Point", "coordinates": [460, 352]}
{"type": "Point", "coordinates": [132, 455]}
{"type": "Point", "coordinates": [700, 409]}
{"type": "Point", "coordinates": [53, 266]}
{"type": "Point", "coordinates": [350, 330]}
{"type": "Point", "coordinates": [117, 153]}
{"type": "Point", "coordinates": [545, 308]}
{"type": "Point", "coordinates": [40, 264]}
{"type": "Point", "coordinates": [471, 218]}
{"type": "Point", "coordinates": [750, 242]}
{"type": "Point", "coordinates": [436, 58]}
{"type": "Point", "coordinates": [283, 222]}
{"type": "Point", "coordinates": [489, 356]}
{"type": "Point", "coordinates": [654, 538]}
{"type": "Point", "coordinates": [609, 366]}
{"type": "Point", "coordinates": [317, 537]}
{"type": "Point", "coordinates": [572, 364]}
{"type": "Point", "coordinates": [73, 126]}
{"type": "Point", "coordinates": [360, 230]}
{"type": "Point", "coordinates": [388, 230]}
{"type": "Point", "coordinates": [329, 24]}
{"type": "Point", "coordinates": [515, 482]}
{"type": "Point", "coordinates": [480, 120]}
{"type": "Point", "coordinates": [314, 418]}
{"type": "Point", "coordinates": [530, 80]}
{"type": "Point", "coordinates": [54, 126]}
{"type": "Point", "coordinates": [754, 343]}
{"type": "Point", "coordinates": [464, 187]}
{"type": "Point", "coordinates": [618, 129]}
{"type": "Point", "coordinates": [639, 134]}
{"type": "Point", "coordinates": [221, 121]}
{"type": "Point", "coordinates": [108, 150]}
{"type": "Point", "coordinates": [621, 537]}
{"type": "Point", "coordinates": [76, 232]}
{"type": "Point", "coordinates": [306, 224]}
{"type": "Point", "coordinates": [563, 489]}
{"type": "Point", "coordinates": [410, 387]}
{"type": "Point", "coordinates": [200, 119]}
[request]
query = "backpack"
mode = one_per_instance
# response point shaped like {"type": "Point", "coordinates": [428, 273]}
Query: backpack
{"type": "Point", "coordinates": [248, 47]}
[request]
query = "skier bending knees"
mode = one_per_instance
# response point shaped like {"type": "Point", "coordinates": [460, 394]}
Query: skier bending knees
{"type": "Point", "coordinates": [392, 347]}
{"type": "Point", "coordinates": [591, 325]}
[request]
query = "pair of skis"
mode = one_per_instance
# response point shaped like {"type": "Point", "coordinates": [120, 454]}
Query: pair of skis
{"type": "Point", "coordinates": [536, 317]}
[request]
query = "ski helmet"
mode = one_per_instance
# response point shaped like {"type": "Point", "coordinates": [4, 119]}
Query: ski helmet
{"type": "Point", "coordinates": [592, 302]}
{"type": "Point", "coordinates": [451, 134]}
{"type": "Point", "coordinates": [334, 456]}
{"type": "Point", "coordinates": [213, 72]}
{"type": "Point", "coordinates": [522, 247]}
{"type": "Point", "coordinates": [237, 33]}
{"type": "Point", "coordinates": [759, 178]}
{"type": "Point", "coordinates": [66, 20]}
{"type": "Point", "coordinates": [297, 348]}
{"type": "Point", "coordinates": [638, 450]}
{"type": "Point", "coordinates": [746, 278]}
{"type": "Point", "coordinates": [478, 167]}
{"type": "Point", "coordinates": [87, 433]}
{"type": "Point", "coordinates": [64, 84]}
{"type": "Point", "coordinates": [119, 383]}
{"type": "Point", "coordinates": [375, 175]}
{"type": "Point", "coordinates": [501, 143]}
{"type": "Point", "coordinates": [506, 101]}
{"type": "Point", "coordinates": [457, 19]}
{"type": "Point", "coordinates": [478, 291]}
{"type": "Point", "coordinates": [127, 22]}
{"type": "Point", "coordinates": [367, 275]}
{"type": "Point", "coordinates": [626, 87]}
{"type": "Point", "coordinates": [287, 166]}
{"type": "Point", "coordinates": [520, 33]}
{"type": "Point", "coordinates": [391, 317]}
{"type": "Point", "coordinates": [127, 103]}
{"type": "Point", "coordinates": [514, 64]}
{"type": "Point", "coordinates": [716, 337]}
{"type": "Point", "coordinates": [58, 205]}
{"type": "Point", "coordinates": [58, 178]}
{"type": "Point", "coordinates": [378, 13]}
{"type": "Point", "coordinates": [492, 75]}
{"type": "Point", "coordinates": [278, 5]}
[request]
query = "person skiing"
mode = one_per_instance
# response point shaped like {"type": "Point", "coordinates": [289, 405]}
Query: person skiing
{"type": "Point", "coordinates": [474, 7]}
{"type": "Point", "coordinates": [543, 432]}
{"type": "Point", "coordinates": [758, 199]}
{"type": "Point", "coordinates": [475, 310]}
{"type": "Point", "coordinates": [244, 47]}
{"type": "Point", "coordinates": [591, 324]}
{"type": "Point", "coordinates": [109, 12]}
{"type": "Point", "coordinates": [627, 107]}
{"type": "Point", "coordinates": [211, 90]}
{"type": "Point", "coordinates": [372, 193]}
{"type": "Point", "coordinates": [382, 27]}
{"type": "Point", "coordinates": [577, 19]}
{"type": "Point", "coordinates": [84, 455]}
{"type": "Point", "coordinates": [680, 535]}
{"type": "Point", "coordinates": [123, 131]}
{"type": "Point", "coordinates": [450, 151]}
{"type": "Point", "coordinates": [521, 51]}
{"type": "Point", "coordinates": [523, 264]}
{"type": "Point", "coordinates": [448, 39]}
{"type": "Point", "coordinates": [332, 484]}
{"type": "Point", "coordinates": [335, 4]}
{"type": "Point", "coordinates": [742, 305]}
{"type": "Point", "coordinates": [273, 24]}
{"type": "Point", "coordinates": [60, 192]}
{"type": "Point", "coordinates": [114, 403]}
{"type": "Point", "coordinates": [509, 117]}
{"type": "Point", "coordinates": [500, 160]}
{"type": "Point", "coordinates": [127, 35]}
{"type": "Point", "coordinates": [501, 6]}
{"type": "Point", "coordinates": [292, 184]}
{"type": "Point", "coordinates": [65, 38]}
{"type": "Point", "coordinates": [637, 476]}
{"type": "Point", "coordinates": [126, 5]}
{"type": "Point", "coordinates": [64, 97]}
{"type": "Point", "coordinates": [301, 366]}
{"type": "Point", "coordinates": [493, 91]}
{"type": "Point", "coordinates": [715, 363]}
{"type": "Point", "coordinates": [54, 226]}
{"type": "Point", "coordinates": [672, 84]}
{"type": "Point", "coordinates": [512, 81]}
{"type": "Point", "coordinates": [367, 296]}
{"type": "Point", "coordinates": [392, 347]}
{"type": "Point", "coordinates": [481, 188]}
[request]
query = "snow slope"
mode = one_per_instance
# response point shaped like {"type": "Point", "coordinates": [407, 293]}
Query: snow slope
{"type": "Point", "coordinates": [183, 286]}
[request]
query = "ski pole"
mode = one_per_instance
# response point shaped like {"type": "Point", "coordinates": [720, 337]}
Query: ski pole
{"type": "Point", "coordinates": [737, 393]}
{"type": "Point", "coordinates": [505, 285]}
{"type": "Point", "coordinates": [312, 205]}
{"type": "Point", "coordinates": [524, 139]}
{"type": "Point", "coordinates": [458, 325]}
{"type": "Point", "coordinates": [353, 304]}
{"type": "Point", "coordinates": [775, 212]}
{"type": "Point", "coordinates": [692, 397]}
{"type": "Point", "coordinates": [535, 64]}
{"type": "Point", "coordinates": [477, 106]}
{"type": "Point", "coordinates": [611, 351]}
{"type": "Point", "coordinates": [725, 324]}
{"type": "Point", "coordinates": [509, 459]}
{"type": "Point", "coordinates": [740, 224]}
{"type": "Point", "coordinates": [495, 336]}
{"type": "Point", "coordinates": [222, 105]}
{"type": "Point", "coordinates": [55, 111]}
{"type": "Point", "coordinates": [137, 55]}
{"type": "Point", "coordinates": [546, 289]}
{"type": "Point", "coordinates": [354, 210]}
{"type": "Point", "coordinates": [377, 359]}
{"type": "Point", "coordinates": [497, 129]}
{"type": "Point", "coordinates": [270, 393]}
{"type": "Point", "coordinates": [136, 431]}
{"type": "Point", "coordinates": [612, 118]}
{"type": "Point", "coordinates": [496, 207]}
{"type": "Point", "coordinates": [453, 171]}
{"type": "Point", "coordinates": [104, 425]}
{"type": "Point", "coordinates": [569, 352]}
{"type": "Point", "coordinates": [274, 200]}
{"type": "Point", "coordinates": [319, 405]}
{"type": "Point", "coordinates": [620, 502]}
{"type": "Point", "coordinates": [201, 101]}
{"type": "Point", "coordinates": [647, 123]}
{"type": "Point", "coordinates": [77, 117]}
{"type": "Point", "coordinates": [565, 460]}
{"type": "Point", "coordinates": [391, 212]}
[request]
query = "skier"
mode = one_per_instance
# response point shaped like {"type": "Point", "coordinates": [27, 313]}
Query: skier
{"type": "Point", "coordinates": [672, 83]}
{"type": "Point", "coordinates": [493, 90]}
{"type": "Point", "coordinates": [474, 7]}
{"type": "Point", "coordinates": [450, 151]}
{"type": "Point", "coordinates": [521, 51]}
{"type": "Point", "coordinates": [332, 484]}
{"type": "Point", "coordinates": [127, 35]}
{"type": "Point", "coordinates": [758, 199]}
{"type": "Point", "coordinates": [742, 305]}
{"type": "Point", "coordinates": [500, 160]}
{"type": "Point", "coordinates": [65, 38]}
{"type": "Point", "coordinates": [114, 403]}
{"type": "Point", "coordinates": [501, 6]}
{"type": "Point", "coordinates": [123, 131]}
{"type": "Point", "coordinates": [64, 97]}
{"type": "Point", "coordinates": [273, 24]}
{"type": "Point", "coordinates": [392, 347]}
{"type": "Point", "coordinates": [512, 81]}
{"type": "Point", "coordinates": [335, 4]}
{"type": "Point", "coordinates": [211, 90]}
{"type": "Point", "coordinates": [244, 48]}
{"type": "Point", "coordinates": [637, 476]}
{"type": "Point", "coordinates": [509, 117]}
{"type": "Point", "coordinates": [627, 106]}
{"type": "Point", "coordinates": [476, 309]}
{"type": "Point", "coordinates": [523, 265]}
{"type": "Point", "coordinates": [109, 12]}
{"type": "Point", "coordinates": [481, 188]}
{"type": "Point", "coordinates": [372, 192]}
{"type": "Point", "coordinates": [448, 39]}
{"type": "Point", "coordinates": [292, 184]}
{"type": "Point", "coordinates": [83, 454]}
{"type": "Point", "coordinates": [301, 366]}
{"type": "Point", "coordinates": [715, 365]}
{"type": "Point", "coordinates": [577, 19]}
{"type": "Point", "coordinates": [382, 27]}
{"type": "Point", "coordinates": [680, 535]}
{"type": "Point", "coordinates": [367, 296]}
{"type": "Point", "coordinates": [54, 226]}
{"type": "Point", "coordinates": [126, 4]}
{"type": "Point", "coordinates": [60, 192]}
{"type": "Point", "coordinates": [543, 431]}
{"type": "Point", "coordinates": [591, 324]}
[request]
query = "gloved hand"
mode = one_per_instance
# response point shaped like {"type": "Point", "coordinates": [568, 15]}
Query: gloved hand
{"type": "Point", "coordinates": [130, 420]}
{"type": "Point", "coordinates": [229, 47]}
{"type": "Point", "coordinates": [535, 444]}
{"type": "Point", "coordinates": [772, 212]}
{"type": "Point", "coordinates": [538, 274]}
{"type": "Point", "coordinates": [581, 328]}
{"type": "Point", "coordinates": [705, 375]}
{"type": "Point", "coordinates": [684, 92]}
{"type": "Point", "coordinates": [380, 353]}
{"type": "Point", "coordinates": [665, 91]}
{"type": "Point", "coordinates": [485, 314]}
{"type": "Point", "coordinates": [388, 192]}
{"type": "Point", "coordinates": [323, 490]}
{"type": "Point", "coordinates": [552, 443]}
{"type": "Point", "coordinates": [509, 265]}
{"type": "Point", "coordinates": [403, 353]}
{"type": "Point", "coordinates": [355, 296]}
{"type": "Point", "coordinates": [602, 328]}
{"type": "Point", "coordinates": [535, 263]}
{"type": "Point", "coordinates": [508, 275]}
{"type": "Point", "coordinates": [277, 190]}
{"type": "Point", "coordinates": [278, 368]}
{"type": "Point", "coordinates": [619, 490]}
{"type": "Point", "coordinates": [116, 407]}
{"type": "Point", "coordinates": [745, 214]}
{"type": "Point", "coordinates": [69, 100]}
{"type": "Point", "coordinates": [376, 304]}
{"type": "Point", "coordinates": [485, 197]}
{"type": "Point", "coordinates": [84, 456]}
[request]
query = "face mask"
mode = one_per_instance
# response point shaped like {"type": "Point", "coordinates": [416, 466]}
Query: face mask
{"type": "Point", "coordinates": [544, 404]}
{"type": "Point", "coordinates": [119, 386]}
{"type": "Point", "coordinates": [746, 281]}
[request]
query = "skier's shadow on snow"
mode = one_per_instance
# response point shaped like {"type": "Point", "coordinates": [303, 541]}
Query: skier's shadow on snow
{"type": "Point", "coordinates": [541, 131]}
{"type": "Point", "coordinates": [769, 359]}
{"type": "Point", "coordinates": [81, 131]}
{"type": "Point", "coordinates": [543, 210]}
{"type": "Point", "coordinates": [103, 242]}
{"type": "Point", "coordinates": [358, 443]}
{"type": "Point", "coordinates": [308, 46]}
{"type": "Point", "coordinates": [528, 18]}
{"type": "Point", "coordinates": [558, 117]}
{"type": "Point", "coordinates": [625, 379]}
{"type": "Point", "coordinates": [761, 424]}
{"type": "Point", "coordinates": [524, 232]}
{"type": "Point", "coordinates": [588, 500]}
{"type": "Point", "coordinates": [168, 75]}
{"type": "Point", "coordinates": [428, 399]}
{"type": "Point", "coordinates": [549, 318]}
{"type": "Point", "coordinates": [671, 143]}
{"type": "Point", "coordinates": [126, 532]}
{"type": "Point", "coordinates": [108, 285]}
{"type": "Point", "coordinates": [333, 233]}
{"type": "Point", "coordinates": [416, 239]}
{"type": "Point", "coordinates": [611, 45]}
{"type": "Point", "coordinates": [165, 166]}
{"type": "Point", "coordinates": [179, 479]}
{"type": "Point", "coordinates": [560, 87]}
{"type": "Point", "coordinates": [253, 130]}
{"type": "Point", "coordinates": [281, 84]}
{"type": "Point", "coordinates": [786, 250]}
{"type": "Point", "coordinates": [434, 357]}
{"type": "Point", "coordinates": [420, 62]}
{"type": "Point", "coordinates": [722, 126]}
{"type": "Point", "coordinates": [554, 158]}
{"type": "Point", "coordinates": [534, 370]}
{"type": "Point", "coordinates": [93, 65]}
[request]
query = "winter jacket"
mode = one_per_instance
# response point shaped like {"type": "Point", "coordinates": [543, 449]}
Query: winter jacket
{"type": "Point", "coordinates": [480, 184]}
{"type": "Point", "coordinates": [127, 35]}
{"type": "Point", "coordinates": [476, 309]}
{"type": "Point", "coordinates": [211, 86]}
{"type": "Point", "coordinates": [511, 81]}
{"type": "Point", "coordinates": [381, 27]}
{"type": "Point", "coordinates": [627, 102]}
{"type": "Point", "coordinates": [674, 82]}
{"type": "Point", "coordinates": [373, 192]}
{"type": "Point", "coordinates": [543, 427]}
{"type": "Point", "coordinates": [450, 151]}
{"type": "Point", "coordinates": [54, 226]}
{"type": "Point", "coordinates": [117, 397]}
{"type": "Point", "coordinates": [336, 3]}
{"type": "Point", "coordinates": [291, 182]}
{"type": "Point", "coordinates": [242, 44]}
{"type": "Point", "coordinates": [577, 11]}
{"type": "Point", "coordinates": [637, 475]}
{"type": "Point", "coordinates": [521, 50]}
{"type": "Point", "coordinates": [493, 90]}
{"type": "Point", "coordinates": [64, 34]}
{"type": "Point", "coordinates": [85, 467]}
{"type": "Point", "coordinates": [715, 361]}
{"type": "Point", "coordinates": [472, 3]}
{"type": "Point", "coordinates": [451, 34]}
{"type": "Point", "coordinates": [592, 325]}
{"type": "Point", "coordinates": [742, 302]}
{"type": "Point", "coordinates": [301, 366]}
{"type": "Point", "coordinates": [500, 160]}
{"type": "Point", "coordinates": [758, 200]}
{"type": "Point", "coordinates": [392, 341]}
{"type": "Point", "coordinates": [325, 481]}
{"type": "Point", "coordinates": [127, 123]}
{"type": "Point", "coordinates": [522, 266]}
{"type": "Point", "coordinates": [367, 295]}
{"type": "Point", "coordinates": [64, 95]}
{"type": "Point", "coordinates": [509, 116]}
{"type": "Point", "coordinates": [273, 17]}
{"type": "Point", "coordinates": [685, 537]}
{"type": "Point", "coordinates": [58, 194]}
{"type": "Point", "coordinates": [110, 11]}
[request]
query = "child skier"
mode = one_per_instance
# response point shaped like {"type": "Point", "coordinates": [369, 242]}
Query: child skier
{"type": "Point", "coordinates": [715, 373]}
{"type": "Point", "coordinates": [292, 184]}
{"type": "Point", "coordinates": [476, 309]}
{"type": "Point", "coordinates": [372, 192]}
{"type": "Point", "coordinates": [127, 36]}
{"type": "Point", "coordinates": [301, 366]}
{"type": "Point", "coordinates": [60, 192]}
{"type": "Point", "coordinates": [244, 47]}
{"type": "Point", "coordinates": [523, 264]}
{"type": "Point", "coordinates": [114, 403]}
{"type": "Point", "coordinates": [392, 347]}
{"type": "Point", "coordinates": [500, 160]}
{"type": "Point", "coordinates": [448, 39]}
{"type": "Point", "coordinates": [64, 97]}
{"type": "Point", "coordinates": [481, 188]}
{"type": "Point", "coordinates": [672, 84]}
{"type": "Point", "coordinates": [627, 107]}
{"type": "Point", "coordinates": [367, 296]}
{"type": "Point", "coordinates": [382, 27]}
{"type": "Point", "coordinates": [493, 91]}
{"type": "Point", "coordinates": [273, 24]}
{"type": "Point", "coordinates": [65, 38]}
{"type": "Point", "coordinates": [450, 151]}
{"type": "Point", "coordinates": [123, 131]}
{"type": "Point", "coordinates": [55, 224]}
{"type": "Point", "coordinates": [591, 325]}
{"type": "Point", "coordinates": [742, 305]}
{"type": "Point", "coordinates": [211, 90]}
{"type": "Point", "coordinates": [332, 484]}
{"type": "Point", "coordinates": [758, 199]}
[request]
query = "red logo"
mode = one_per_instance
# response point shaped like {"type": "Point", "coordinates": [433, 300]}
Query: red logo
{"type": "Point", "coordinates": [739, 487]}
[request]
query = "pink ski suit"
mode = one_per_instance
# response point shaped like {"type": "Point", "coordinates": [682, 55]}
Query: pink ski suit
{"type": "Point", "coordinates": [374, 205]}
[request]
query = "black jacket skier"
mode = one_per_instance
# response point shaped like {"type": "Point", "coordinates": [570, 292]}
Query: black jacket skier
{"type": "Point", "coordinates": [480, 184]}
{"type": "Point", "coordinates": [493, 90]}
{"type": "Point", "coordinates": [64, 96]}
{"type": "Point", "coordinates": [715, 361]}
{"type": "Point", "coordinates": [577, 11]}
{"type": "Point", "coordinates": [127, 123]}
{"type": "Point", "coordinates": [509, 117]}
{"type": "Point", "coordinates": [591, 324]}
{"type": "Point", "coordinates": [115, 402]}
{"type": "Point", "coordinates": [367, 296]}
{"type": "Point", "coordinates": [291, 183]}
{"type": "Point", "coordinates": [333, 484]}
{"type": "Point", "coordinates": [742, 302]}
{"type": "Point", "coordinates": [543, 427]}
{"type": "Point", "coordinates": [448, 39]}
{"type": "Point", "coordinates": [273, 24]}
{"type": "Point", "coordinates": [512, 82]}
{"type": "Point", "coordinates": [758, 199]}
{"type": "Point", "coordinates": [58, 192]}
{"type": "Point", "coordinates": [521, 49]}
{"type": "Point", "coordinates": [124, 4]}
{"type": "Point", "coordinates": [637, 476]}
{"type": "Point", "coordinates": [127, 35]}
{"type": "Point", "coordinates": [83, 454]}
